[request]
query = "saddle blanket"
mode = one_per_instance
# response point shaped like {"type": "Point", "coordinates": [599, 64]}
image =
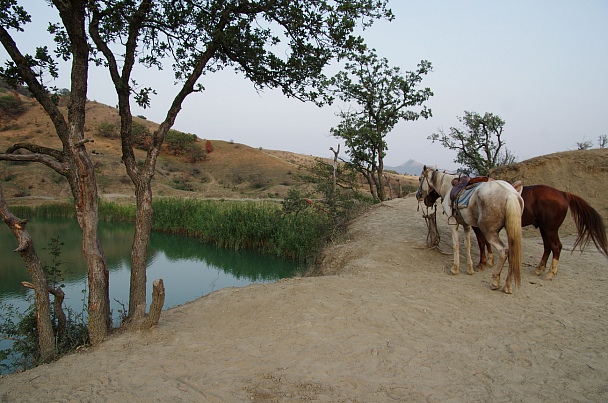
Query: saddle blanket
{"type": "Point", "coordinates": [465, 196]}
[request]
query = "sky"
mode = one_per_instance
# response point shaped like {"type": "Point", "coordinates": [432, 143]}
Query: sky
{"type": "Point", "coordinates": [541, 65]}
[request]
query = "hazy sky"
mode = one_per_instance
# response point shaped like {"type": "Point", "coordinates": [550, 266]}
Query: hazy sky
{"type": "Point", "coordinates": [541, 65]}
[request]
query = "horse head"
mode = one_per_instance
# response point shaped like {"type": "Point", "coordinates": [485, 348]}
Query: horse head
{"type": "Point", "coordinates": [423, 183]}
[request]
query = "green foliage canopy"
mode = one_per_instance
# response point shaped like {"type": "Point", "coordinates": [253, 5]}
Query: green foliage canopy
{"type": "Point", "coordinates": [479, 144]}
{"type": "Point", "coordinates": [274, 43]}
{"type": "Point", "coordinates": [384, 96]}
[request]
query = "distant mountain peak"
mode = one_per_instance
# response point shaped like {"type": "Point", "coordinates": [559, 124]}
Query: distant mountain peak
{"type": "Point", "coordinates": [411, 167]}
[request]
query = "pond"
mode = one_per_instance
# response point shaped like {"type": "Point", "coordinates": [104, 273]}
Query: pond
{"type": "Point", "coordinates": [189, 268]}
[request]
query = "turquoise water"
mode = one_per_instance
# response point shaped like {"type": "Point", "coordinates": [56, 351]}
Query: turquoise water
{"type": "Point", "coordinates": [189, 268]}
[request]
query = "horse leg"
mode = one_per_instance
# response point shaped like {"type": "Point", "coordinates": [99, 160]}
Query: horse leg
{"type": "Point", "coordinates": [490, 259]}
{"type": "Point", "coordinates": [556, 248]}
{"type": "Point", "coordinates": [542, 265]}
{"type": "Point", "coordinates": [553, 271]}
{"type": "Point", "coordinates": [467, 245]}
{"type": "Point", "coordinates": [455, 247]}
{"type": "Point", "coordinates": [481, 242]}
{"type": "Point", "coordinates": [496, 274]}
{"type": "Point", "coordinates": [552, 244]}
{"type": "Point", "coordinates": [503, 254]}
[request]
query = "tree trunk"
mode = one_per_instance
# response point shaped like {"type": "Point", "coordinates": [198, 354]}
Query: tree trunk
{"type": "Point", "coordinates": [379, 174]}
{"type": "Point", "coordinates": [377, 180]}
{"type": "Point", "coordinates": [83, 181]}
{"type": "Point", "coordinates": [59, 296]}
{"type": "Point", "coordinates": [87, 211]}
{"type": "Point", "coordinates": [389, 186]}
{"type": "Point", "coordinates": [432, 237]}
{"type": "Point", "coordinates": [34, 266]}
{"type": "Point", "coordinates": [370, 182]}
{"type": "Point", "coordinates": [141, 239]}
{"type": "Point", "coordinates": [158, 300]}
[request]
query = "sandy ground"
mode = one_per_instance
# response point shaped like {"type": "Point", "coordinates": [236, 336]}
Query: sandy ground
{"type": "Point", "coordinates": [386, 324]}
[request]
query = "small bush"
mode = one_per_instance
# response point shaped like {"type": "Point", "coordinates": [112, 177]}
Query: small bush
{"type": "Point", "coordinates": [11, 107]}
{"type": "Point", "coordinates": [179, 143]}
{"type": "Point", "coordinates": [196, 153]}
{"type": "Point", "coordinates": [107, 130]}
{"type": "Point", "coordinates": [141, 136]}
{"type": "Point", "coordinates": [257, 181]}
{"type": "Point", "coordinates": [182, 184]}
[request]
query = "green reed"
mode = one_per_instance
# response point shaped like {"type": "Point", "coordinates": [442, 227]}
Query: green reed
{"type": "Point", "coordinates": [64, 210]}
{"type": "Point", "coordinates": [259, 225]}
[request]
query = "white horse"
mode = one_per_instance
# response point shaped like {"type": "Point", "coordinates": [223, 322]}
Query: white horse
{"type": "Point", "coordinates": [491, 207]}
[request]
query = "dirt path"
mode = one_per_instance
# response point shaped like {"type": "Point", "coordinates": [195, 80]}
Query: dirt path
{"type": "Point", "coordinates": [388, 325]}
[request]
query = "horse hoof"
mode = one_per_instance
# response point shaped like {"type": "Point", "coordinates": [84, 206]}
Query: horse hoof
{"type": "Point", "coordinates": [494, 287]}
{"type": "Point", "coordinates": [549, 277]}
{"type": "Point", "coordinates": [539, 271]}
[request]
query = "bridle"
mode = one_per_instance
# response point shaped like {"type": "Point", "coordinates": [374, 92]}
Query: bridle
{"type": "Point", "coordinates": [425, 177]}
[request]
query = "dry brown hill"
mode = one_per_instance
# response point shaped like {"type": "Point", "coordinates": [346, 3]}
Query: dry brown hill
{"type": "Point", "coordinates": [582, 172]}
{"type": "Point", "coordinates": [231, 170]}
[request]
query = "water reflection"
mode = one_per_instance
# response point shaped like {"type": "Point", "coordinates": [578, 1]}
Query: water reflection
{"type": "Point", "coordinates": [189, 268]}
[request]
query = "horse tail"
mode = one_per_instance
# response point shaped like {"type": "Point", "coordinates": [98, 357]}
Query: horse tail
{"type": "Point", "coordinates": [589, 224]}
{"type": "Point", "coordinates": [513, 227]}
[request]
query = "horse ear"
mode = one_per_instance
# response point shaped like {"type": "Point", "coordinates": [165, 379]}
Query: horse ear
{"type": "Point", "coordinates": [519, 186]}
{"type": "Point", "coordinates": [424, 168]}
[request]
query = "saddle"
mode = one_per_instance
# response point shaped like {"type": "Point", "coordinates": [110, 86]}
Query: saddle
{"type": "Point", "coordinates": [464, 183]}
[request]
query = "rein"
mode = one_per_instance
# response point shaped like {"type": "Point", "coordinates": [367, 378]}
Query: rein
{"type": "Point", "coordinates": [432, 237]}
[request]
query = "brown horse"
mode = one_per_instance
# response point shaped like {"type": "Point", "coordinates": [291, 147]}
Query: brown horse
{"type": "Point", "coordinates": [546, 208]}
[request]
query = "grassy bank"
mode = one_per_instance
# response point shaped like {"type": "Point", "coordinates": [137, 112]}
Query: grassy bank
{"type": "Point", "coordinates": [258, 225]}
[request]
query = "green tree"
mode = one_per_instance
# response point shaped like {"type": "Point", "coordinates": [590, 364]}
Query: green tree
{"type": "Point", "coordinates": [383, 97]}
{"type": "Point", "coordinates": [335, 183]}
{"type": "Point", "coordinates": [273, 43]}
{"type": "Point", "coordinates": [73, 160]}
{"type": "Point", "coordinates": [479, 143]}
